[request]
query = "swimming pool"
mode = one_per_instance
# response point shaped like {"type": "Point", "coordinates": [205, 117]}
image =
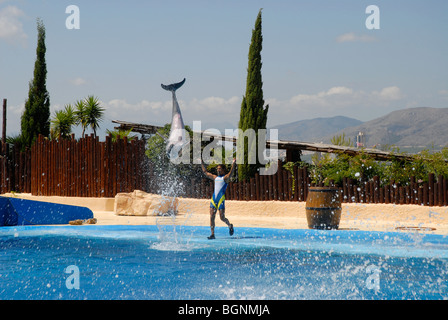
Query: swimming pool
{"type": "Point", "coordinates": [178, 262]}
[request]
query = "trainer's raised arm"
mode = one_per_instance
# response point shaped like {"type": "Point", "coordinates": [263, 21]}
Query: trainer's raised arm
{"type": "Point", "coordinates": [206, 173]}
{"type": "Point", "coordinates": [229, 175]}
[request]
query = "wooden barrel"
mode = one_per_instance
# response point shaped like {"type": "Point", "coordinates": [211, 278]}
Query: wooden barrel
{"type": "Point", "coordinates": [323, 208]}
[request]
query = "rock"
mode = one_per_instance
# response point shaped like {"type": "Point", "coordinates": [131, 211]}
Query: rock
{"type": "Point", "coordinates": [79, 222]}
{"type": "Point", "coordinates": [91, 221]}
{"type": "Point", "coordinates": [139, 203]}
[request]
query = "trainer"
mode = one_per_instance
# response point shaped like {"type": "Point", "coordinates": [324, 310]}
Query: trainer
{"type": "Point", "coordinates": [218, 197]}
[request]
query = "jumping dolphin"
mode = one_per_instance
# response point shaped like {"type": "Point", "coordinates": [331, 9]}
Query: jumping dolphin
{"type": "Point", "coordinates": [177, 139]}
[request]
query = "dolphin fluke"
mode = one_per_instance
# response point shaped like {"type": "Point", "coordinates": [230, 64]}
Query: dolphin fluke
{"type": "Point", "coordinates": [173, 87]}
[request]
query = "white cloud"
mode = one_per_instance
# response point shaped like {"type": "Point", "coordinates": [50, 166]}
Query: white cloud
{"type": "Point", "coordinates": [218, 112]}
{"type": "Point", "coordinates": [209, 110]}
{"type": "Point", "coordinates": [78, 81]}
{"type": "Point", "coordinates": [11, 29]}
{"type": "Point", "coordinates": [142, 111]}
{"type": "Point", "coordinates": [215, 105]}
{"type": "Point", "coordinates": [322, 98]}
{"type": "Point", "coordinates": [335, 101]}
{"type": "Point", "coordinates": [390, 93]}
{"type": "Point", "coordinates": [339, 90]}
{"type": "Point", "coordinates": [352, 37]}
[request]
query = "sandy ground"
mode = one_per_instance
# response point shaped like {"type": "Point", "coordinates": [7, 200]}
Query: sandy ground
{"type": "Point", "coordinates": [273, 214]}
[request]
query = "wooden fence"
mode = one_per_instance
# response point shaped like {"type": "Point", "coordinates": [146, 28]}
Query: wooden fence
{"type": "Point", "coordinates": [86, 167]}
{"type": "Point", "coordinates": [15, 169]}
{"type": "Point", "coordinates": [285, 186]}
{"type": "Point", "coordinates": [90, 168]}
{"type": "Point", "coordinates": [74, 168]}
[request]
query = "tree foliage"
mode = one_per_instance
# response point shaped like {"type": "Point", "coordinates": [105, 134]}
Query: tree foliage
{"type": "Point", "coordinates": [253, 114]}
{"type": "Point", "coordinates": [87, 113]}
{"type": "Point", "coordinates": [36, 117]}
{"type": "Point", "coordinates": [363, 167]}
{"type": "Point", "coordinates": [62, 122]}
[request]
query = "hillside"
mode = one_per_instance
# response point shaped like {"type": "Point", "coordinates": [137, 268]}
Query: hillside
{"type": "Point", "coordinates": [314, 130]}
{"type": "Point", "coordinates": [416, 127]}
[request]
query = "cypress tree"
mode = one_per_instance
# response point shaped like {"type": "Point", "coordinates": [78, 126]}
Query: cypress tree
{"type": "Point", "coordinates": [252, 115]}
{"type": "Point", "coordinates": [36, 117]}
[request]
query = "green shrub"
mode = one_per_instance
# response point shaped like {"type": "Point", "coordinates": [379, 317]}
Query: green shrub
{"type": "Point", "coordinates": [363, 167]}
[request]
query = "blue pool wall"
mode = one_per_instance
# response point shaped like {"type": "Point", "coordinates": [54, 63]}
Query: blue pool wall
{"type": "Point", "coordinates": [16, 211]}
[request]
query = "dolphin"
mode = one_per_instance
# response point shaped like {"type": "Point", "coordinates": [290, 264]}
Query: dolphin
{"type": "Point", "coordinates": [177, 139]}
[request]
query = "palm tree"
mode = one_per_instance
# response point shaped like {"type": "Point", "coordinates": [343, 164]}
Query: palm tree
{"type": "Point", "coordinates": [89, 113]}
{"type": "Point", "coordinates": [62, 122]}
{"type": "Point", "coordinates": [80, 115]}
{"type": "Point", "coordinates": [94, 113]}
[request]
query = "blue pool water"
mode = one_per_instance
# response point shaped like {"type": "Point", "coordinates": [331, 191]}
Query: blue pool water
{"type": "Point", "coordinates": [154, 262]}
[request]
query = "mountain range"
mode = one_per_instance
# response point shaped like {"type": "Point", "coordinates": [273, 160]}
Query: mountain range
{"type": "Point", "coordinates": [422, 127]}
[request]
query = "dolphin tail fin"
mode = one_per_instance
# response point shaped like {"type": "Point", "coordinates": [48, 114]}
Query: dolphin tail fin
{"type": "Point", "coordinates": [173, 87]}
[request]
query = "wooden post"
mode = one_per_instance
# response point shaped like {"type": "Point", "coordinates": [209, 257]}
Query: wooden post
{"type": "Point", "coordinates": [344, 188]}
{"type": "Point", "coordinates": [413, 193]}
{"type": "Point", "coordinates": [401, 195]}
{"type": "Point", "coordinates": [253, 193]}
{"type": "Point", "coordinates": [275, 186]}
{"type": "Point", "coordinates": [376, 187]}
{"type": "Point", "coordinates": [381, 200]}
{"type": "Point", "coordinates": [392, 191]}
{"type": "Point", "coordinates": [387, 194]}
{"type": "Point", "coordinates": [236, 186]}
{"type": "Point", "coordinates": [108, 164]}
{"type": "Point", "coordinates": [444, 191]}
{"type": "Point", "coordinates": [295, 184]}
{"type": "Point", "coordinates": [425, 194]}
{"type": "Point", "coordinates": [355, 194]}
{"type": "Point", "coordinates": [240, 191]}
{"type": "Point", "coordinates": [270, 188]}
{"type": "Point", "coordinates": [420, 196]}
{"type": "Point", "coordinates": [436, 193]}
{"type": "Point", "coordinates": [299, 186]}
{"type": "Point", "coordinates": [262, 187]}
{"type": "Point", "coordinates": [286, 188]}
{"type": "Point", "coordinates": [4, 121]}
{"type": "Point", "coordinates": [306, 182]}
{"type": "Point", "coordinates": [431, 189]}
{"type": "Point", "coordinates": [257, 186]}
{"type": "Point", "coordinates": [280, 181]}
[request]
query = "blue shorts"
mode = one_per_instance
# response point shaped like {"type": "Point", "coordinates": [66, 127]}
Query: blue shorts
{"type": "Point", "coordinates": [218, 205]}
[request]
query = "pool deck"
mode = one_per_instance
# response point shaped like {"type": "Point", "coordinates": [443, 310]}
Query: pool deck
{"type": "Point", "coordinates": [272, 214]}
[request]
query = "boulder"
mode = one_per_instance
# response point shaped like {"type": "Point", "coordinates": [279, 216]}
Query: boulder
{"type": "Point", "coordinates": [139, 203]}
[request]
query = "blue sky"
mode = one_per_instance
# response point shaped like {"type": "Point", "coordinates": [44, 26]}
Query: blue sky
{"type": "Point", "coordinates": [319, 59]}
